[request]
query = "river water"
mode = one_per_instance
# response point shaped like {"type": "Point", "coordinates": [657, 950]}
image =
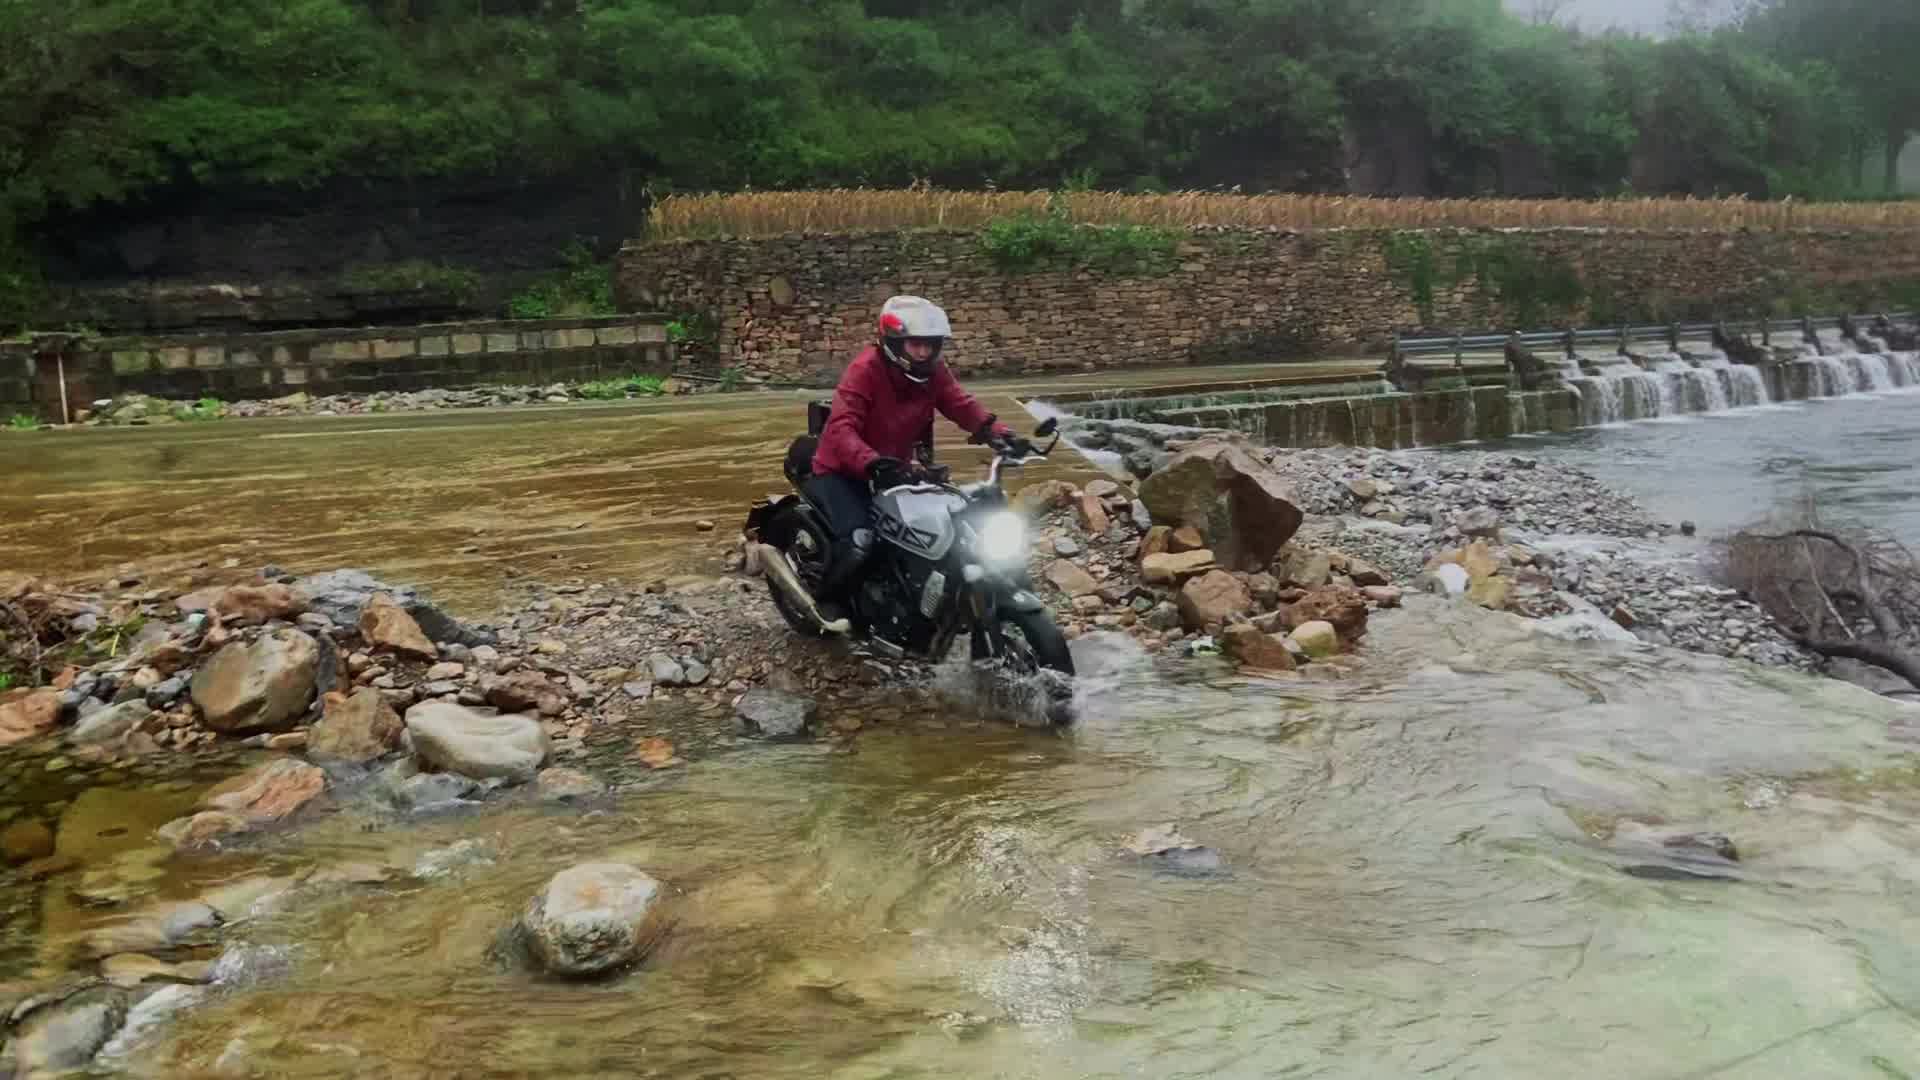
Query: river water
{"type": "Point", "coordinates": [1854, 455]}
{"type": "Point", "coordinates": [1441, 860]}
{"type": "Point", "coordinates": [1426, 871]}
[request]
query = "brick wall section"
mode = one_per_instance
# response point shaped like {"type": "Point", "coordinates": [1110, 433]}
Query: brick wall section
{"type": "Point", "coordinates": [799, 305]}
{"type": "Point", "coordinates": [239, 366]}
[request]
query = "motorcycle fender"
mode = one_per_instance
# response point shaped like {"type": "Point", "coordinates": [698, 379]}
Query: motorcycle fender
{"type": "Point", "coordinates": [764, 512]}
{"type": "Point", "coordinates": [1020, 600]}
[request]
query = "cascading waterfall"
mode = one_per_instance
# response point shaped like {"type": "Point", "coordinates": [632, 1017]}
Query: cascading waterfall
{"type": "Point", "coordinates": [1905, 368]}
{"type": "Point", "coordinates": [1832, 376]}
{"type": "Point", "coordinates": [1743, 383]}
{"type": "Point", "coordinates": [1870, 371]}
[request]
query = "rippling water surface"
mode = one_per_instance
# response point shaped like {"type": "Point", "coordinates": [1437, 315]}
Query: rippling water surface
{"type": "Point", "coordinates": [1437, 864]}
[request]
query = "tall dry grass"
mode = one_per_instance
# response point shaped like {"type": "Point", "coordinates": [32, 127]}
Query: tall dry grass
{"type": "Point", "coordinates": [846, 210]}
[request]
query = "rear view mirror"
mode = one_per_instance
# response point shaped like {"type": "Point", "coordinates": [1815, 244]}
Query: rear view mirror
{"type": "Point", "coordinates": [1047, 427]}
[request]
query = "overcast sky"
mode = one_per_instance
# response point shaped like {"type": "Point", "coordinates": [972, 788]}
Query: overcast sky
{"type": "Point", "coordinates": [1604, 14]}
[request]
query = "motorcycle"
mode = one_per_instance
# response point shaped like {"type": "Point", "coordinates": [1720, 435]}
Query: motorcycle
{"type": "Point", "coordinates": [949, 560]}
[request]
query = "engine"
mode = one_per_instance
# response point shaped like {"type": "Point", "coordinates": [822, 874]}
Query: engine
{"type": "Point", "coordinates": [901, 600]}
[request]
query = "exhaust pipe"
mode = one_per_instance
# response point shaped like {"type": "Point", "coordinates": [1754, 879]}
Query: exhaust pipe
{"type": "Point", "coordinates": [773, 562]}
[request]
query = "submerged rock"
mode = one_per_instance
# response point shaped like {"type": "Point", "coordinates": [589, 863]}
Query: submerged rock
{"type": "Point", "coordinates": [270, 792]}
{"type": "Point", "coordinates": [65, 1036]}
{"type": "Point", "coordinates": [158, 927]}
{"type": "Point", "coordinates": [454, 738]}
{"type": "Point", "coordinates": [25, 841]}
{"type": "Point", "coordinates": [428, 790]}
{"type": "Point", "coordinates": [563, 783]}
{"type": "Point", "coordinates": [594, 917]}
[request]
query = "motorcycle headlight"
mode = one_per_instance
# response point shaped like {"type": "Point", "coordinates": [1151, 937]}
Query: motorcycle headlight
{"type": "Point", "coordinates": [1003, 537]}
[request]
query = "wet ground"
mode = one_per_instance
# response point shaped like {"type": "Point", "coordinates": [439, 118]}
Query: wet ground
{"type": "Point", "coordinates": [461, 503]}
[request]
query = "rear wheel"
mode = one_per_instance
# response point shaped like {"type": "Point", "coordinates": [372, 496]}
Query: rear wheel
{"type": "Point", "coordinates": [807, 549]}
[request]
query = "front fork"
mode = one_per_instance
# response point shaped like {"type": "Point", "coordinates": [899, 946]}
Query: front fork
{"type": "Point", "coordinates": [984, 605]}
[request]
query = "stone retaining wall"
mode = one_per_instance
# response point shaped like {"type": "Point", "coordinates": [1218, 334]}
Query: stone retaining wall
{"type": "Point", "coordinates": [236, 367]}
{"type": "Point", "coordinates": [798, 306]}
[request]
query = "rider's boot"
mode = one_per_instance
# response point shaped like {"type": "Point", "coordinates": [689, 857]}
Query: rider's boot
{"type": "Point", "coordinates": [842, 573]}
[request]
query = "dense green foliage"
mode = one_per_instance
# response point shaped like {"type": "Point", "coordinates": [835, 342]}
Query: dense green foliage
{"type": "Point", "coordinates": [583, 286]}
{"type": "Point", "coordinates": [1041, 240]}
{"type": "Point", "coordinates": [124, 101]}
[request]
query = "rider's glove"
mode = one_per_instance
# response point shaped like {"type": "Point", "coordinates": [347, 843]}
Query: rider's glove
{"type": "Point", "coordinates": [886, 472]}
{"type": "Point", "coordinates": [1019, 446]}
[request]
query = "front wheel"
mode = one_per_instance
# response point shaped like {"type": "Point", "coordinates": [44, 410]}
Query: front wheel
{"type": "Point", "coordinates": [1031, 642]}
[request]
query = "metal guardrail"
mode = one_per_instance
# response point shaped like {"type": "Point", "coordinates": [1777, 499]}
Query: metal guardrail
{"type": "Point", "coordinates": [1569, 340]}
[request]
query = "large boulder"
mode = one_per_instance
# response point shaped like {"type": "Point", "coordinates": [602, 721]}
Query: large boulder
{"type": "Point", "coordinates": [775, 714]}
{"type": "Point", "coordinates": [28, 714]}
{"type": "Point", "coordinates": [268, 793]}
{"type": "Point", "coordinates": [1243, 509]}
{"type": "Point", "coordinates": [386, 625]}
{"type": "Point", "coordinates": [1317, 638]}
{"type": "Point", "coordinates": [1215, 597]}
{"type": "Point", "coordinates": [359, 729]}
{"type": "Point", "coordinates": [457, 739]}
{"type": "Point", "coordinates": [264, 686]}
{"type": "Point", "coordinates": [595, 917]}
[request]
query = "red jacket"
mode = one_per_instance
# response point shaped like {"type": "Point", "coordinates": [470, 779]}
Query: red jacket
{"type": "Point", "coordinates": [879, 412]}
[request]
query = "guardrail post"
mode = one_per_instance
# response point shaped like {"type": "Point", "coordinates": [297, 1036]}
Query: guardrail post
{"type": "Point", "coordinates": [1673, 337]}
{"type": "Point", "coordinates": [1571, 351]}
{"type": "Point", "coordinates": [1459, 354]}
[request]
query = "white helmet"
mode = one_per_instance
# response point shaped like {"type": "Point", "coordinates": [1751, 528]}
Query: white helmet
{"type": "Point", "coordinates": [906, 317]}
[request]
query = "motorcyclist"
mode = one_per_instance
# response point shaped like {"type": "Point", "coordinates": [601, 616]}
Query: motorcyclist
{"type": "Point", "coordinates": [884, 401]}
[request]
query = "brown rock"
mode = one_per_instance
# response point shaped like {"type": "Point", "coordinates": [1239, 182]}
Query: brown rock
{"type": "Point", "coordinates": [1342, 606]}
{"type": "Point", "coordinates": [48, 866]}
{"type": "Point", "coordinates": [526, 691]}
{"type": "Point", "coordinates": [1173, 569]}
{"type": "Point", "coordinates": [386, 625]}
{"type": "Point", "coordinates": [1241, 507]}
{"type": "Point", "coordinates": [1302, 567]}
{"type": "Point", "coordinates": [28, 714]}
{"type": "Point", "coordinates": [1366, 574]}
{"type": "Point", "coordinates": [268, 793]}
{"type": "Point", "coordinates": [287, 740]}
{"type": "Point", "coordinates": [359, 729]}
{"type": "Point", "coordinates": [1091, 515]}
{"type": "Point", "coordinates": [1383, 595]}
{"type": "Point", "coordinates": [1158, 541]}
{"type": "Point", "coordinates": [248, 604]}
{"type": "Point", "coordinates": [1491, 592]}
{"type": "Point", "coordinates": [1479, 560]}
{"type": "Point", "coordinates": [204, 829]}
{"type": "Point", "coordinates": [1186, 538]}
{"type": "Point", "coordinates": [1624, 617]}
{"type": "Point", "coordinates": [199, 599]}
{"type": "Point", "coordinates": [1088, 605]}
{"type": "Point", "coordinates": [24, 841]}
{"type": "Point", "coordinates": [1265, 590]}
{"type": "Point", "coordinates": [446, 669]}
{"type": "Point", "coordinates": [1034, 500]}
{"type": "Point", "coordinates": [1214, 597]}
{"type": "Point", "coordinates": [1071, 579]}
{"type": "Point", "coordinates": [263, 686]}
{"type": "Point", "coordinates": [1104, 489]}
{"type": "Point", "coordinates": [1246, 644]}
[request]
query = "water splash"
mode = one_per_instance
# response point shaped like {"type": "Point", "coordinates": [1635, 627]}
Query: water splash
{"type": "Point", "coordinates": [1870, 371]}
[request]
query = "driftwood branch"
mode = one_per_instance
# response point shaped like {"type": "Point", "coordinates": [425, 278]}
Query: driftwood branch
{"type": "Point", "coordinates": [1840, 593]}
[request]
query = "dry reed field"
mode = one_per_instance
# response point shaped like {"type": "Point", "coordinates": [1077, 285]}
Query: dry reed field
{"type": "Point", "coordinates": [851, 210]}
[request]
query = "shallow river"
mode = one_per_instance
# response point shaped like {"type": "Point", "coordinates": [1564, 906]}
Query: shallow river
{"type": "Point", "coordinates": [1436, 864]}
{"type": "Point", "coordinates": [1859, 456]}
{"type": "Point", "coordinates": [1426, 872]}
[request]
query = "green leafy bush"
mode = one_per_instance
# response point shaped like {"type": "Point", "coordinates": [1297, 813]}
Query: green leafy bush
{"type": "Point", "coordinates": [583, 287]}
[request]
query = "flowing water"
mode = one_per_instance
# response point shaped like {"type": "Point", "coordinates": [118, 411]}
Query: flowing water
{"type": "Point", "coordinates": [1433, 865]}
{"type": "Point", "coordinates": [1726, 470]}
{"type": "Point", "coordinates": [1674, 385]}
{"type": "Point", "coordinates": [1441, 858]}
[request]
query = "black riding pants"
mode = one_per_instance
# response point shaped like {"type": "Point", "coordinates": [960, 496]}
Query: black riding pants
{"type": "Point", "coordinates": [847, 503]}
